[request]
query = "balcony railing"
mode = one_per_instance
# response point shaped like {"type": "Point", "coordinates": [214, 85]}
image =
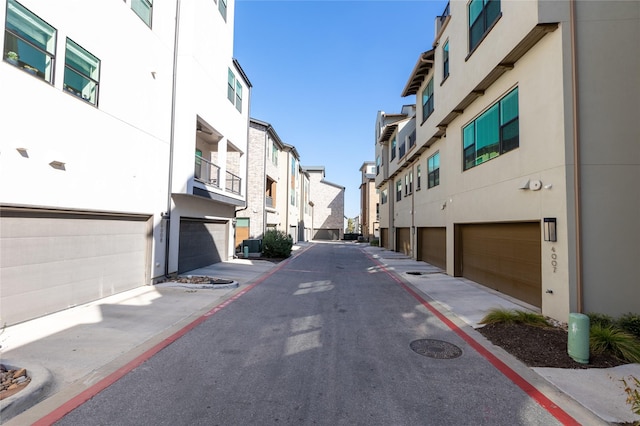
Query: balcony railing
{"type": "Point", "coordinates": [207, 172]}
{"type": "Point", "coordinates": [444, 15]}
{"type": "Point", "coordinates": [268, 202]}
{"type": "Point", "coordinates": [233, 183]}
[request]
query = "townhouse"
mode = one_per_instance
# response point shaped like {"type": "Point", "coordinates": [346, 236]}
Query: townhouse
{"type": "Point", "coordinates": [327, 205]}
{"type": "Point", "coordinates": [123, 153]}
{"type": "Point", "coordinates": [526, 153]}
{"type": "Point", "coordinates": [369, 205]}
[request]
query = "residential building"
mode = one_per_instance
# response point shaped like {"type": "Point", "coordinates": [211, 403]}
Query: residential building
{"type": "Point", "coordinates": [328, 205]}
{"type": "Point", "coordinates": [126, 154]}
{"type": "Point", "coordinates": [527, 145]}
{"type": "Point", "coordinates": [369, 202]}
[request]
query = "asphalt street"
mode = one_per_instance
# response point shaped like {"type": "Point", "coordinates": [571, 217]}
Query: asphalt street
{"type": "Point", "coordinates": [325, 339]}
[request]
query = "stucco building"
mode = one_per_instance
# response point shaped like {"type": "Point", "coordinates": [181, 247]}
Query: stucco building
{"type": "Point", "coordinates": [526, 153]}
{"type": "Point", "coordinates": [369, 222]}
{"type": "Point", "coordinates": [125, 154]}
{"type": "Point", "coordinates": [328, 205]}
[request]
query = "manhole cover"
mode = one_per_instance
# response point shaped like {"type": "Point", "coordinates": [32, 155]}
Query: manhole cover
{"type": "Point", "coordinates": [435, 348]}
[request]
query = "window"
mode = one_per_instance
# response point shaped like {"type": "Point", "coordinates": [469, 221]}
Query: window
{"type": "Point", "coordinates": [403, 148]}
{"type": "Point", "coordinates": [384, 196]}
{"type": "Point", "coordinates": [393, 148]}
{"type": "Point", "coordinates": [29, 42]}
{"type": "Point", "coordinates": [222, 7]}
{"type": "Point", "coordinates": [143, 8]}
{"type": "Point", "coordinates": [427, 100]}
{"type": "Point", "coordinates": [433, 170]}
{"type": "Point", "coordinates": [81, 73]}
{"type": "Point", "coordinates": [494, 132]}
{"type": "Point", "coordinates": [377, 165]}
{"type": "Point", "coordinates": [419, 175]}
{"type": "Point", "coordinates": [482, 15]}
{"type": "Point", "coordinates": [238, 96]}
{"type": "Point", "coordinates": [408, 183]}
{"type": "Point", "coordinates": [294, 169]}
{"type": "Point", "coordinates": [399, 190]}
{"type": "Point", "coordinates": [445, 60]}
{"type": "Point", "coordinates": [274, 154]}
{"type": "Point", "coordinates": [234, 90]}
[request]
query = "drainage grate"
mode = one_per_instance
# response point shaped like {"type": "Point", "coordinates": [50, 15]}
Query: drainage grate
{"type": "Point", "coordinates": [438, 349]}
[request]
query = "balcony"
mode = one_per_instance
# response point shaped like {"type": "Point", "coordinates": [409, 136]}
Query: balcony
{"type": "Point", "coordinates": [207, 172]}
{"type": "Point", "coordinates": [233, 183]}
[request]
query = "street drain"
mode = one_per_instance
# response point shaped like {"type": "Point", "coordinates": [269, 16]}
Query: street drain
{"type": "Point", "coordinates": [438, 349]}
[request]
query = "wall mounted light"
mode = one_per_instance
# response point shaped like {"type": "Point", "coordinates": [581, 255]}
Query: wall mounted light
{"type": "Point", "coordinates": [59, 165]}
{"type": "Point", "coordinates": [23, 152]}
{"type": "Point", "coordinates": [550, 229]}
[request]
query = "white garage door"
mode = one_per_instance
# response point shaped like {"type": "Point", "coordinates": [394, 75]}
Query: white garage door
{"type": "Point", "coordinates": [53, 260]}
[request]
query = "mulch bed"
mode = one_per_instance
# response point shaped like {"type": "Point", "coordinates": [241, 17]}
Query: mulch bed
{"type": "Point", "coordinates": [541, 347]}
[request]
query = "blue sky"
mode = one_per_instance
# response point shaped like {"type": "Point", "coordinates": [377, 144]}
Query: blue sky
{"type": "Point", "coordinates": [321, 71]}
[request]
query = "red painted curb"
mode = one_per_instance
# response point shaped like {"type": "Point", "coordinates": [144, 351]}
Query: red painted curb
{"type": "Point", "coordinates": [527, 387]}
{"type": "Point", "coordinates": [92, 391]}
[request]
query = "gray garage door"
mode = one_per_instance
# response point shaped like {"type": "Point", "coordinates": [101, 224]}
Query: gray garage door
{"type": "Point", "coordinates": [202, 243]}
{"type": "Point", "coordinates": [53, 260]}
{"type": "Point", "coordinates": [327, 234]}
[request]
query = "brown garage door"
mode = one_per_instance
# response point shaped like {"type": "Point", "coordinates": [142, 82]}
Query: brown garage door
{"type": "Point", "coordinates": [432, 246]}
{"type": "Point", "coordinates": [505, 257]}
{"type": "Point", "coordinates": [384, 237]}
{"type": "Point", "coordinates": [403, 240]}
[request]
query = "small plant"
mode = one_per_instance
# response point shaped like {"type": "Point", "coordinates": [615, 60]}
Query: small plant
{"type": "Point", "coordinates": [619, 343]}
{"type": "Point", "coordinates": [600, 319]}
{"type": "Point", "coordinates": [375, 242]}
{"type": "Point", "coordinates": [276, 243]}
{"type": "Point", "coordinates": [633, 393]}
{"type": "Point", "coordinates": [12, 55]}
{"type": "Point", "coordinates": [512, 316]}
{"type": "Point", "coordinates": [630, 323]}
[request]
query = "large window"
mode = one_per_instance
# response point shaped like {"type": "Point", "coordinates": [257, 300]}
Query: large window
{"type": "Point", "coordinates": [445, 60]}
{"type": "Point", "coordinates": [427, 100]}
{"type": "Point", "coordinates": [384, 197]}
{"type": "Point", "coordinates": [398, 190]}
{"type": "Point", "coordinates": [81, 73]}
{"type": "Point", "coordinates": [495, 132]}
{"type": "Point", "coordinates": [393, 148]}
{"type": "Point", "coordinates": [274, 153]}
{"type": "Point", "coordinates": [29, 42]}
{"type": "Point", "coordinates": [408, 183]}
{"type": "Point", "coordinates": [234, 90]}
{"type": "Point", "coordinates": [482, 15]}
{"type": "Point", "coordinates": [144, 9]}
{"type": "Point", "coordinates": [222, 7]}
{"type": "Point", "coordinates": [433, 170]}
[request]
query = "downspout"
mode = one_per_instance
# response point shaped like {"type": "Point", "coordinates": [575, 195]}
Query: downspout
{"type": "Point", "coordinates": [576, 159]}
{"type": "Point", "coordinates": [167, 216]}
{"type": "Point", "coordinates": [264, 182]}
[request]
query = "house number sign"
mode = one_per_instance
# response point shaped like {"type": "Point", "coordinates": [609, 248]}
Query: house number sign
{"type": "Point", "coordinates": [554, 259]}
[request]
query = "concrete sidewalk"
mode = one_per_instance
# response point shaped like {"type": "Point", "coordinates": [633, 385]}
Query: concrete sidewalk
{"type": "Point", "coordinates": [69, 351]}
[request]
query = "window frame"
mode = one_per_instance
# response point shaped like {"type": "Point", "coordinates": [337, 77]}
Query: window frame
{"type": "Point", "coordinates": [445, 60]}
{"type": "Point", "coordinates": [418, 177]}
{"type": "Point", "coordinates": [47, 50]}
{"type": "Point", "coordinates": [222, 7]}
{"type": "Point", "coordinates": [504, 144]}
{"type": "Point", "coordinates": [433, 170]}
{"type": "Point", "coordinates": [393, 147]}
{"type": "Point", "coordinates": [399, 190]}
{"type": "Point", "coordinates": [427, 103]}
{"type": "Point", "coordinates": [487, 22]}
{"type": "Point", "coordinates": [69, 67]}
{"type": "Point", "coordinates": [149, 5]}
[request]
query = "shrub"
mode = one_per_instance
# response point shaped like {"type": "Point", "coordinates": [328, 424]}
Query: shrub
{"type": "Point", "coordinates": [619, 343]}
{"type": "Point", "coordinates": [600, 319]}
{"type": "Point", "coordinates": [276, 243]}
{"type": "Point", "coordinates": [375, 242]}
{"type": "Point", "coordinates": [630, 323]}
{"type": "Point", "coordinates": [511, 316]}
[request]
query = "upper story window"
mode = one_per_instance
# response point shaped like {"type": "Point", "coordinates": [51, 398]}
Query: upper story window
{"type": "Point", "coordinates": [384, 196]}
{"type": "Point", "coordinates": [433, 169]}
{"type": "Point", "coordinates": [274, 153]}
{"type": "Point", "coordinates": [482, 15]}
{"type": "Point", "coordinates": [418, 177]}
{"type": "Point", "coordinates": [234, 90]}
{"type": "Point", "coordinates": [494, 132]}
{"type": "Point", "coordinates": [445, 60]}
{"type": "Point", "coordinates": [393, 148]}
{"type": "Point", "coordinates": [398, 190]}
{"type": "Point", "coordinates": [408, 183]}
{"type": "Point", "coordinates": [427, 100]}
{"type": "Point", "coordinates": [377, 165]}
{"type": "Point", "coordinates": [222, 7]}
{"type": "Point", "coordinates": [81, 72]}
{"type": "Point", "coordinates": [29, 42]}
{"type": "Point", "coordinates": [402, 149]}
{"type": "Point", "coordinates": [144, 9]}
